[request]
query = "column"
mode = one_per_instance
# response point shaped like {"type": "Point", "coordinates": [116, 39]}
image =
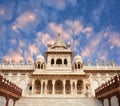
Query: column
{"type": "Point", "coordinates": [33, 86]}
{"type": "Point", "coordinates": [7, 100]}
{"type": "Point", "coordinates": [84, 87]}
{"type": "Point", "coordinates": [75, 86]}
{"type": "Point", "coordinates": [103, 102]}
{"type": "Point", "coordinates": [53, 87]}
{"type": "Point", "coordinates": [91, 87]}
{"type": "Point", "coordinates": [109, 102]}
{"type": "Point", "coordinates": [71, 84]}
{"type": "Point", "coordinates": [118, 99]}
{"type": "Point", "coordinates": [46, 87]}
{"type": "Point", "coordinates": [64, 87]}
{"type": "Point", "coordinates": [14, 102]}
{"type": "Point", "coordinates": [41, 87]}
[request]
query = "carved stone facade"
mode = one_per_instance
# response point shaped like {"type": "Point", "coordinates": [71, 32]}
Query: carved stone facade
{"type": "Point", "coordinates": [58, 74]}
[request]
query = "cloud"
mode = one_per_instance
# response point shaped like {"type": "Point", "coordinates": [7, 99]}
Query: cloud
{"type": "Point", "coordinates": [43, 38]}
{"type": "Point", "coordinates": [59, 29]}
{"type": "Point", "coordinates": [86, 52]}
{"type": "Point", "coordinates": [75, 26]}
{"type": "Point", "coordinates": [6, 11]}
{"type": "Point", "coordinates": [92, 47]}
{"type": "Point", "coordinates": [25, 21]}
{"type": "Point", "coordinates": [13, 55]}
{"type": "Point", "coordinates": [33, 49]}
{"type": "Point", "coordinates": [26, 18]}
{"type": "Point", "coordinates": [69, 28]}
{"type": "Point", "coordinates": [2, 11]}
{"type": "Point", "coordinates": [115, 39]}
{"type": "Point", "coordinates": [97, 12]}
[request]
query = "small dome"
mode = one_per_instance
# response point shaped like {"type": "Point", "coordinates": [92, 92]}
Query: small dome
{"type": "Point", "coordinates": [78, 59]}
{"type": "Point", "coordinates": [68, 44]}
{"type": "Point", "coordinates": [40, 58]}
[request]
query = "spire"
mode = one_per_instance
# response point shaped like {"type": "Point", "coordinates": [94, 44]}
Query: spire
{"type": "Point", "coordinates": [59, 42]}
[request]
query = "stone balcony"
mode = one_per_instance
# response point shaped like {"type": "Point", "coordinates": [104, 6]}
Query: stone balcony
{"type": "Point", "coordinates": [16, 67]}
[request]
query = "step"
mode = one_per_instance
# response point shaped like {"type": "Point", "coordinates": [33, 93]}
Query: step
{"type": "Point", "coordinates": [57, 101]}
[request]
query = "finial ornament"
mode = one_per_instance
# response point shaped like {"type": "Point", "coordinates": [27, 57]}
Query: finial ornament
{"type": "Point", "coordinates": [58, 34]}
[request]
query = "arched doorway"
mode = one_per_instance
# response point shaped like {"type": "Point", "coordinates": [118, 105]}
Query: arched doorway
{"type": "Point", "coordinates": [58, 61]}
{"type": "Point", "coordinates": [58, 87]}
{"type": "Point", "coordinates": [37, 87]}
{"type": "Point", "coordinates": [65, 61]}
{"type": "Point", "coordinates": [67, 87]}
{"type": "Point", "coordinates": [49, 87]}
{"type": "Point", "coordinates": [79, 86]}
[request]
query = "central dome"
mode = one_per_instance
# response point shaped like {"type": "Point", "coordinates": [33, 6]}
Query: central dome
{"type": "Point", "coordinates": [40, 58]}
{"type": "Point", "coordinates": [78, 59]}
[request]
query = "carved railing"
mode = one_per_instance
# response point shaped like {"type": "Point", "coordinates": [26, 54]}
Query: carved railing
{"type": "Point", "coordinates": [10, 87]}
{"type": "Point", "coordinates": [108, 86]}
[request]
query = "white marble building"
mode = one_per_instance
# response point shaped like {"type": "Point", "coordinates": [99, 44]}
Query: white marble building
{"type": "Point", "coordinates": [58, 73]}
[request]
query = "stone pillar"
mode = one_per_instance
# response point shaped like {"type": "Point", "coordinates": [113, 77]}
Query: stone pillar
{"type": "Point", "coordinates": [118, 99]}
{"type": "Point", "coordinates": [53, 87]}
{"type": "Point", "coordinates": [76, 87]}
{"type": "Point", "coordinates": [103, 102]}
{"type": "Point", "coordinates": [71, 83]}
{"type": "Point", "coordinates": [14, 102]}
{"type": "Point", "coordinates": [84, 87]}
{"type": "Point", "coordinates": [109, 101]}
{"type": "Point", "coordinates": [91, 87]}
{"type": "Point", "coordinates": [46, 87]}
{"type": "Point", "coordinates": [41, 87]}
{"type": "Point", "coordinates": [33, 86]}
{"type": "Point", "coordinates": [64, 87]}
{"type": "Point", "coordinates": [7, 100]}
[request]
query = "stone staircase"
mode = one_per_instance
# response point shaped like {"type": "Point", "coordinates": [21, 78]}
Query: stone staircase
{"type": "Point", "coordinates": [58, 101]}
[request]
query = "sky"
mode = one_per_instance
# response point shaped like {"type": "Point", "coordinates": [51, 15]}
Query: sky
{"type": "Point", "coordinates": [92, 27]}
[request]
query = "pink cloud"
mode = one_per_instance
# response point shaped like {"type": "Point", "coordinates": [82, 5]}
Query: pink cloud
{"type": "Point", "coordinates": [33, 49]}
{"type": "Point", "coordinates": [24, 21]}
{"type": "Point", "coordinates": [115, 39]}
{"type": "Point", "coordinates": [2, 11]}
{"type": "Point", "coordinates": [75, 26]}
{"type": "Point", "coordinates": [44, 38]}
{"type": "Point", "coordinates": [13, 55]}
{"type": "Point", "coordinates": [86, 52]}
{"type": "Point", "coordinates": [59, 29]}
{"type": "Point", "coordinates": [26, 18]}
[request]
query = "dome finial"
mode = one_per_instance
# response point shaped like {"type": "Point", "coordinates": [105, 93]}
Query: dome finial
{"type": "Point", "coordinates": [58, 34]}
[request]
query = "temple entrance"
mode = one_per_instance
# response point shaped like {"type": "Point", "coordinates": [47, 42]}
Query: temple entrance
{"type": "Point", "coordinates": [79, 86]}
{"type": "Point", "coordinates": [58, 87]}
{"type": "Point", "coordinates": [49, 87]}
{"type": "Point", "coordinates": [37, 87]}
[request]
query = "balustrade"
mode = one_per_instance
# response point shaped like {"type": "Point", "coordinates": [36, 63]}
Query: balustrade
{"type": "Point", "coordinates": [108, 86]}
{"type": "Point", "coordinates": [7, 85]}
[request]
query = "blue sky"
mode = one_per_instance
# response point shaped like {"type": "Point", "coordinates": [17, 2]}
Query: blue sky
{"type": "Point", "coordinates": [92, 27]}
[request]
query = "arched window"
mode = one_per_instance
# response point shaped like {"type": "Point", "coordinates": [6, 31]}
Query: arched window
{"type": "Point", "coordinates": [59, 61]}
{"type": "Point", "coordinates": [49, 87]}
{"type": "Point", "coordinates": [65, 61]}
{"type": "Point", "coordinates": [78, 66]}
{"type": "Point", "coordinates": [79, 86]}
{"type": "Point", "coordinates": [58, 87]}
{"type": "Point", "coordinates": [52, 61]}
{"type": "Point", "coordinates": [39, 66]}
{"type": "Point", "coordinates": [30, 88]}
{"type": "Point", "coordinates": [37, 86]}
{"type": "Point", "coordinates": [75, 66]}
